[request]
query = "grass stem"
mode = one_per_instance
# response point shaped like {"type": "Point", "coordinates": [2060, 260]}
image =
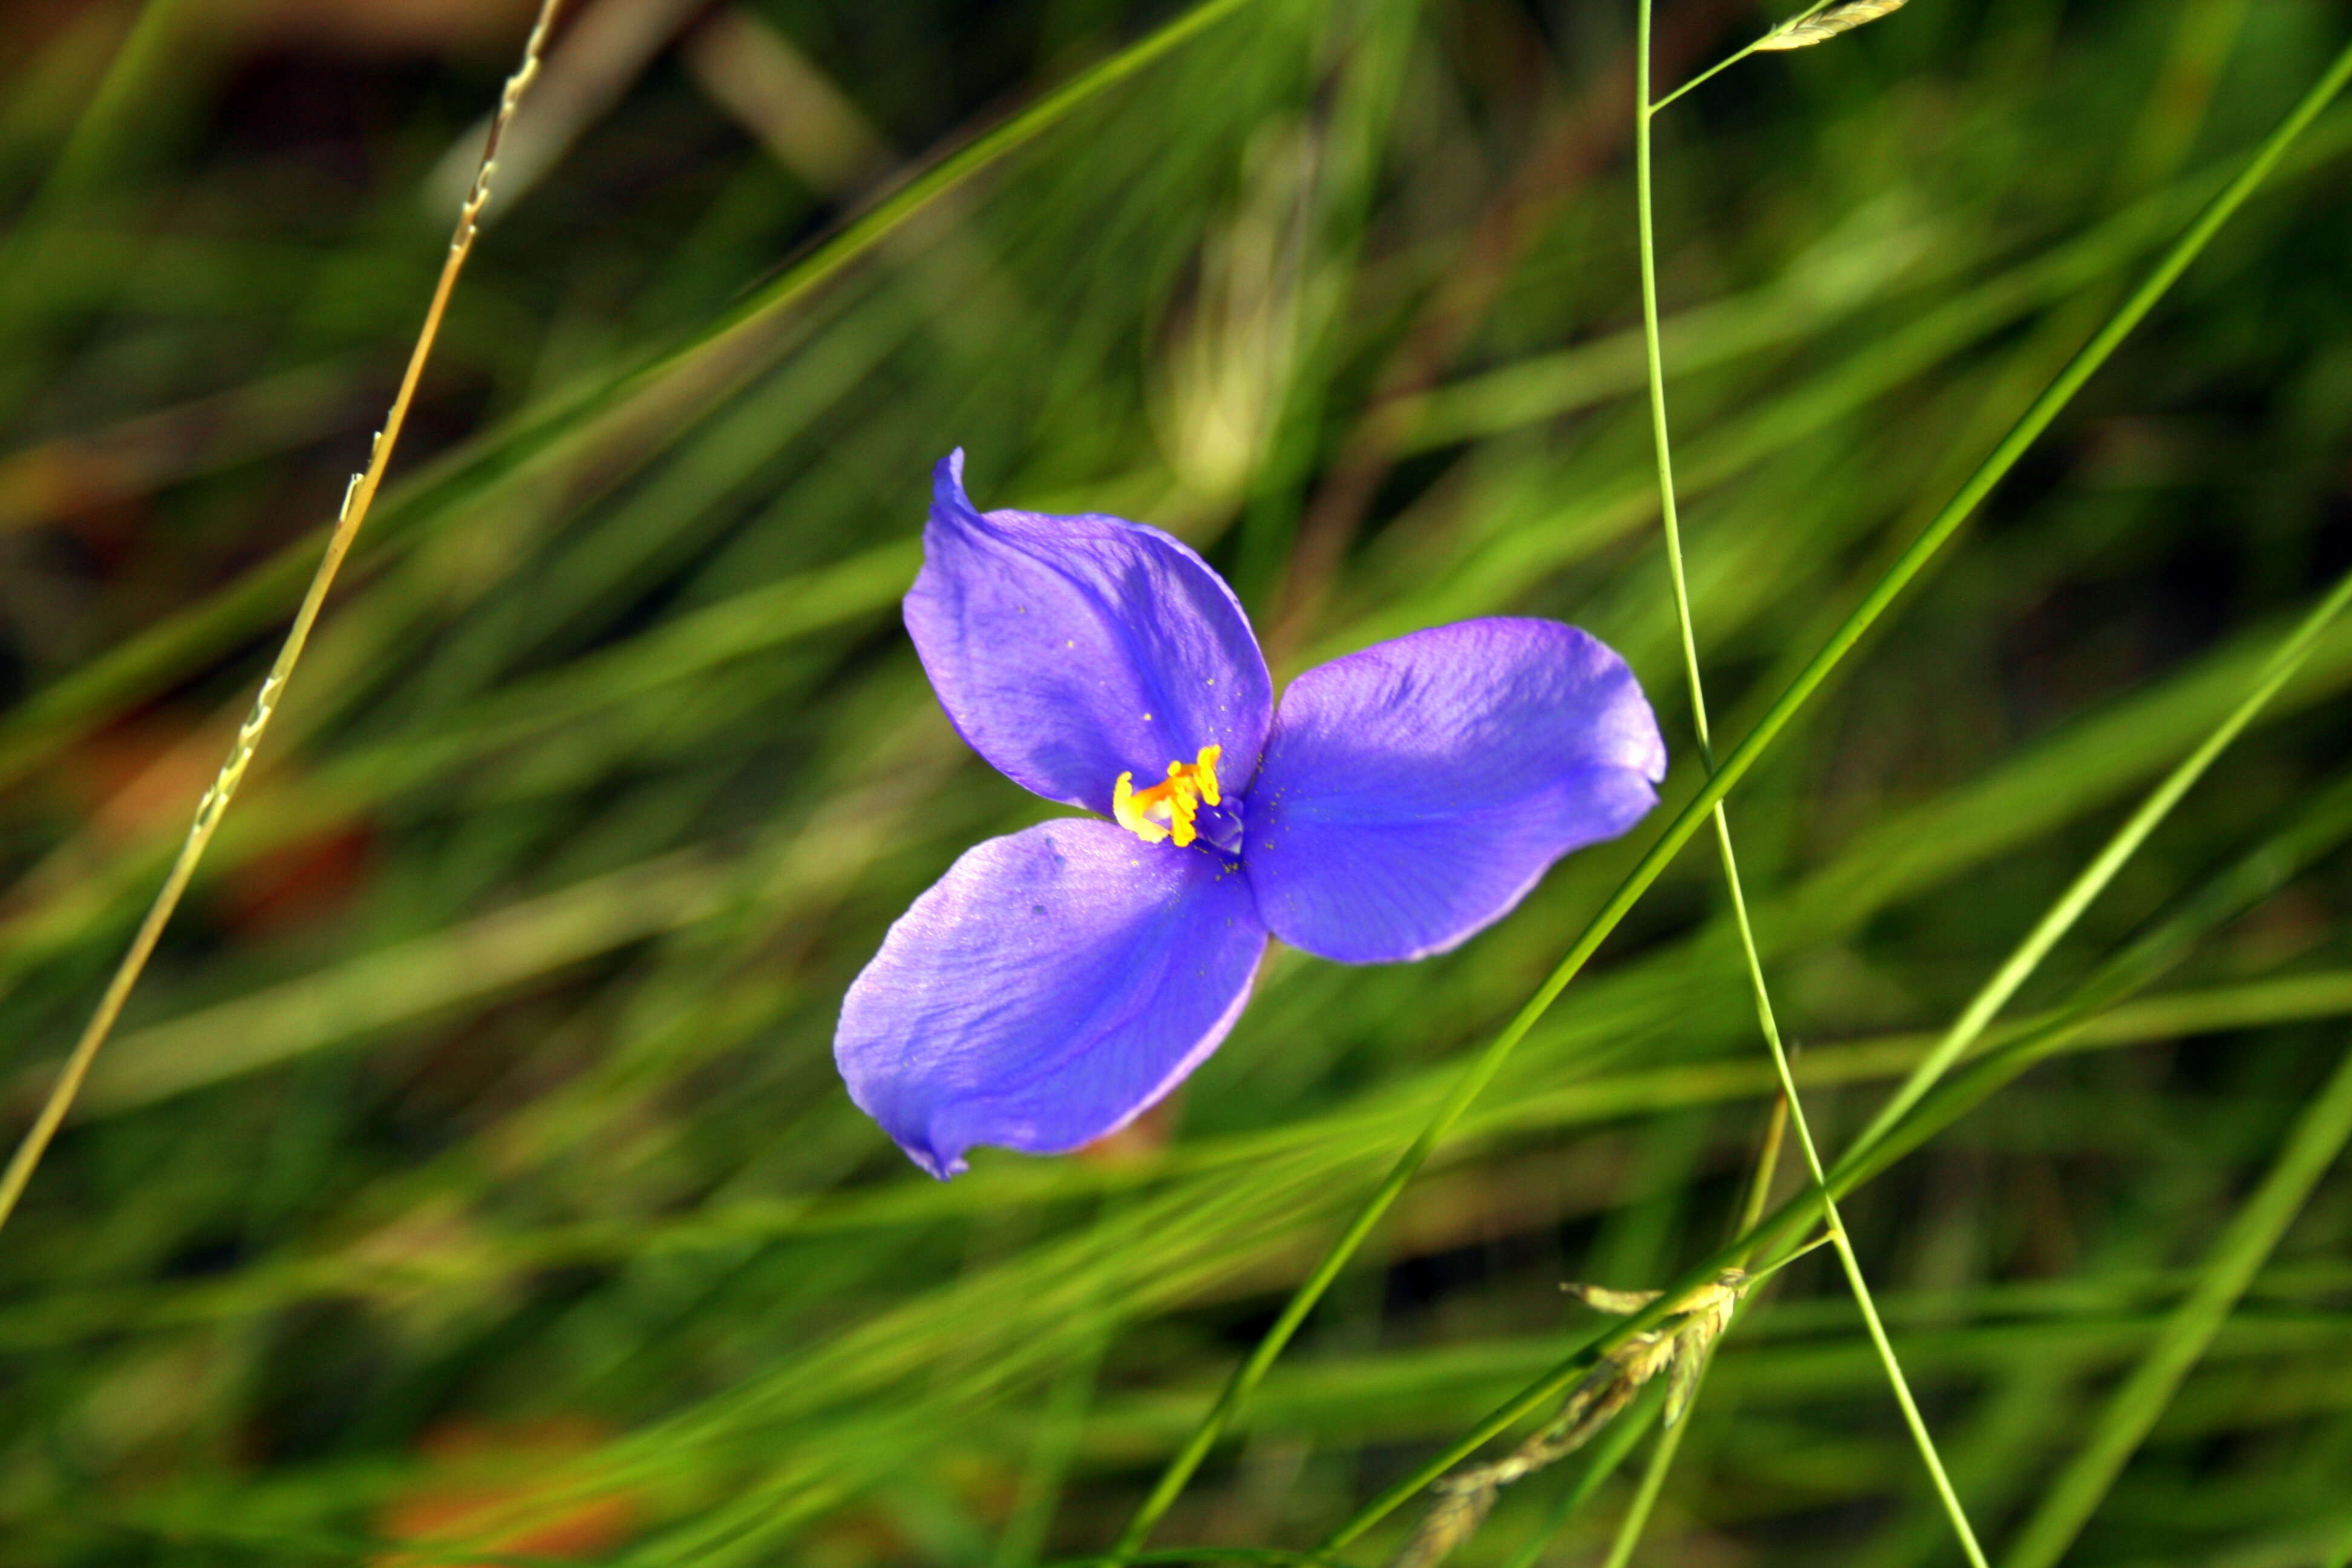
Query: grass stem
{"type": "Point", "coordinates": [357, 500]}
{"type": "Point", "coordinates": [1644, 183]}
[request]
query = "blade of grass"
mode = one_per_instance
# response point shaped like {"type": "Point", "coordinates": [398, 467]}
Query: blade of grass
{"type": "Point", "coordinates": [357, 500]}
{"type": "Point", "coordinates": [2272, 863]}
{"type": "Point", "coordinates": [2277, 858]}
{"type": "Point", "coordinates": [2311, 1147]}
{"type": "Point", "coordinates": [2094, 878]}
{"type": "Point", "coordinates": [2257, 874]}
{"type": "Point", "coordinates": [1654, 1480]}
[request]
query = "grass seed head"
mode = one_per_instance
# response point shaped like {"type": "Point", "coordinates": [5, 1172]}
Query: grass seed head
{"type": "Point", "coordinates": [1820, 29]}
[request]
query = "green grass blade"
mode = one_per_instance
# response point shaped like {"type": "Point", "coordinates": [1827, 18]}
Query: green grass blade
{"type": "Point", "coordinates": [2311, 1147]}
{"type": "Point", "coordinates": [2094, 878]}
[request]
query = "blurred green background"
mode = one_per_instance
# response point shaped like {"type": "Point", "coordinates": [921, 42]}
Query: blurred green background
{"type": "Point", "coordinates": [471, 1167]}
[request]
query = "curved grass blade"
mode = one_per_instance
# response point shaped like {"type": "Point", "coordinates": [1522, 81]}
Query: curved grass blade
{"type": "Point", "coordinates": [1826, 25]}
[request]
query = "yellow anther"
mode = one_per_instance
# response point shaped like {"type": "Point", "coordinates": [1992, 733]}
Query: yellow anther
{"type": "Point", "coordinates": [1166, 810]}
{"type": "Point", "coordinates": [1127, 809]}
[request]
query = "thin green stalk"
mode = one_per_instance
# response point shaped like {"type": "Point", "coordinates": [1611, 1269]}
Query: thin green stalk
{"type": "Point", "coordinates": [1799, 1212]}
{"type": "Point", "coordinates": [2257, 874]}
{"type": "Point", "coordinates": [1725, 64]}
{"type": "Point", "coordinates": [1654, 1480]}
{"type": "Point", "coordinates": [1645, 221]}
{"type": "Point", "coordinates": [2277, 858]}
{"type": "Point", "coordinates": [1643, 113]}
{"type": "Point", "coordinates": [1937, 1475]}
{"type": "Point", "coordinates": [2319, 1138]}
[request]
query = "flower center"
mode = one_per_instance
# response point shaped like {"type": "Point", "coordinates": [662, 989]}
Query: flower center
{"type": "Point", "coordinates": [1166, 809]}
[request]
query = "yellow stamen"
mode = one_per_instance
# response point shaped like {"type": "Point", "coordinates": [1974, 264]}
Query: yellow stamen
{"type": "Point", "coordinates": [1166, 810]}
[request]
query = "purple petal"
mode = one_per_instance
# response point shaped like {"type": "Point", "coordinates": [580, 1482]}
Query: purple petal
{"type": "Point", "coordinates": [1414, 792]}
{"type": "Point", "coordinates": [1069, 650]}
{"type": "Point", "coordinates": [1046, 991]}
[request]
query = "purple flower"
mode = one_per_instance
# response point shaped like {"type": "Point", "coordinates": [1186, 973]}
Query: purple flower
{"type": "Point", "coordinates": [1056, 982]}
